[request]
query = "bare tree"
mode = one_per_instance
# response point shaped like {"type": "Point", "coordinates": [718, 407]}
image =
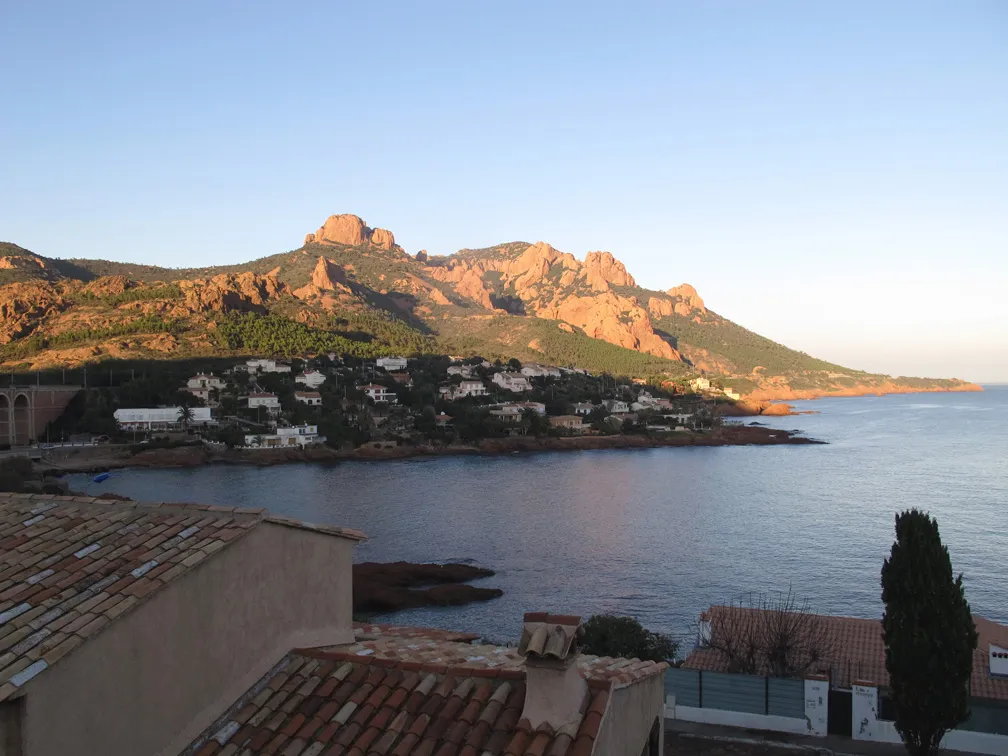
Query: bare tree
{"type": "Point", "coordinates": [773, 634]}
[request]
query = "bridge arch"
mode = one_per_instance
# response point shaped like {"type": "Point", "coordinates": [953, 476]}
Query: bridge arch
{"type": "Point", "coordinates": [23, 420]}
{"type": "Point", "coordinates": [5, 419]}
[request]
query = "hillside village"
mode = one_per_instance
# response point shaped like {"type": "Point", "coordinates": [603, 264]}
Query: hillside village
{"type": "Point", "coordinates": [339, 401]}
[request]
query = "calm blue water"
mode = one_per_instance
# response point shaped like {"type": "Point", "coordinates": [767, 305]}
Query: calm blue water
{"type": "Point", "coordinates": [661, 534]}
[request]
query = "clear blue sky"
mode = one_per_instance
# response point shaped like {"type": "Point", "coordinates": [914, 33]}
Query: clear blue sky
{"type": "Point", "coordinates": [832, 175]}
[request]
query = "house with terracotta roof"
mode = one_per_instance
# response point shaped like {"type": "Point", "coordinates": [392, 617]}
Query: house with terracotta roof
{"type": "Point", "coordinates": [124, 628]}
{"type": "Point", "coordinates": [402, 691]}
{"type": "Point", "coordinates": [403, 379]}
{"type": "Point", "coordinates": [574, 423]}
{"type": "Point", "coordinates": [201, 384]}
{"type": "Point", "coordinates": [311, 398]}
{"type": "Point", "coordinates": [266, 400]}
{"type": "Point", "coordinates": [854, 664]}
{"type": "Point", "coordinates": [129, 629]}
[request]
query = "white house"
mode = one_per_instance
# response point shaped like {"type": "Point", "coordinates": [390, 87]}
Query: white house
{"type": "Point", "coordinates": [508, 413]}
{"type": "Point", "coordinates": [311, 398]}
{"type": "Point", "coordinates": [732, 393]}
{"type": "Point", "coordinates": [470, 388]}
{"type": "Point", "coordinates": [464, 370]}
{"type": "Point", "coordinates": [311, 378]}
{"type": "Point", "coordinates": [391, 363]}
{"type": "Point", "coordinates": [700, 384]}
{"type": "Point", "coordinates": [202, 384]}
{"type": "Point", "coordinates": [583, 408]}
{"type": "Point", "coordinates": [535, 370]}
{"type": "Point", "coordinates": [538, 407]}
{"type": "Point", "coordinates": [160, 418]}
{"type": "Point", "coordinates": [616, 407]}
{"type": "Point", "coordinates": [680, 420]}
{"type": "Point", "coordinates": [299, 435]}
{"type": "Point", "coordinates": [379, 393]}
{"type": "Point", "coordinates": [265, 366]}
{"type": "Point", "coordinates": [268, 401]}
{"type": "Point", "coordinates": [512, 382]}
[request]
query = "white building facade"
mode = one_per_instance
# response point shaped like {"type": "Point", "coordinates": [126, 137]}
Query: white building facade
{"type": "Point", "coordinates": [285, 438]}
{"type": "Point", "coordinates": [202, 384]}
{"type": "Point", "coordinates": [535, 370]}
{"type": "Point", "coordinates": [391, 363]}
{"type": "Point", "coordinates": [311, 378]}
{"type": "Point", "coordinates": [269, 402]}
{"type": "Point", "coordinates": [379, 393]}
{"type": "Point", "coordinates": [512, 382]}
{"type": "Point", "coordinates": [265, 366]}
{"type": "Point", "coordinates": [160, 418]}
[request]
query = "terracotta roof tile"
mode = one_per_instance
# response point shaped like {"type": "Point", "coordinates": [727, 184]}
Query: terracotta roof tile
{"type": "Point", "coordinates": [392, 711]}
{"type": "Point", "coordinates": [70, 565]}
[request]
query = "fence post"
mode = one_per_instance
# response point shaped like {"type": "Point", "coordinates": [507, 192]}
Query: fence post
{"type": "Point", "coordinates": [700, 688]}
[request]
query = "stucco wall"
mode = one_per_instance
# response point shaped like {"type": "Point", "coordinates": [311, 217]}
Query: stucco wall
{"type": "Point", "coordinates": [628, 721]}
{"type": "Point", "coordinates": [867, 726]}
{"type": "Point", "coordinates": [157, 677]}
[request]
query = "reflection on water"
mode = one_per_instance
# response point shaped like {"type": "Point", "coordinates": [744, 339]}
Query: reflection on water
{"type": "Point", "coordinates": [663, 533]}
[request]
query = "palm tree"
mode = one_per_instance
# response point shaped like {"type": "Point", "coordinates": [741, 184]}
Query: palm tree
{"type": "Point", "coordinates": [185, 416]}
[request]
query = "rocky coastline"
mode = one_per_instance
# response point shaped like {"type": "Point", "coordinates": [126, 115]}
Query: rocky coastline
{"type": "Point", "coordinates": [773, 401]}
{"type": "Point", "coordinates": [96, 459]}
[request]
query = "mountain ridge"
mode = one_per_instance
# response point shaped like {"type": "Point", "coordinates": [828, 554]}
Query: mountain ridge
{"type": "Point", "coordinates": [352, 287]}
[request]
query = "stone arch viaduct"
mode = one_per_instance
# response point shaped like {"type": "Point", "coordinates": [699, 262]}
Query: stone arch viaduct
{"type": "Point", "coordinates": [26, 410]}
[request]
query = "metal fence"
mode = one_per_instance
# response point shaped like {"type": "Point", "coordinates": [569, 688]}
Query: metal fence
{"type": "Point", "coordinates": [752, 694]}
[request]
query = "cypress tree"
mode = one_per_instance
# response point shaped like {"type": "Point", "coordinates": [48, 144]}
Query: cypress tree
{"type": "Point", "coordinates": [929, 635]}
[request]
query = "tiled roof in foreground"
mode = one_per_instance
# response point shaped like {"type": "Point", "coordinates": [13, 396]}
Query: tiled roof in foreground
{"type": "Point", "coordinates": [71, 565]}
{"type": "Point", "coordinates": [399, 691]}
{"type": "Point", "coordinates": [423, 651]}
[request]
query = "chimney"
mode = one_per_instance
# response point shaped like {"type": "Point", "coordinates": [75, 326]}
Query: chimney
{"type": "Point", "coordinates": [998, 658]}
{"type": "Point", "coordinates": [555, 692]}
{"type": "Point", "coordinates": [704, 629]}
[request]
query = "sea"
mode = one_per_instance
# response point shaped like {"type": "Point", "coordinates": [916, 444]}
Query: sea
{"type": "Point", "coordinates": [661, 534]}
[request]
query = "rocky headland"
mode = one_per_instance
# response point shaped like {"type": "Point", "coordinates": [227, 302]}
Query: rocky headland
{"type": "Point", "coordinates": [390, 587]}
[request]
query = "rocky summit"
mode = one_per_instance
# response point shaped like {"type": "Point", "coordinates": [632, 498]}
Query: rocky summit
{"type": "Point", "coordinates": [351, 289]}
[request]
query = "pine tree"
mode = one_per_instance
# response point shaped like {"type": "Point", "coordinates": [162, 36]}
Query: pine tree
{"type": "Point", "coordinates": [929, 635]}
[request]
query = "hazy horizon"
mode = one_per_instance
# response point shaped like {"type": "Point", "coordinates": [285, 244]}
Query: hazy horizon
{"type": "Point", "coordinates": [831, 177]}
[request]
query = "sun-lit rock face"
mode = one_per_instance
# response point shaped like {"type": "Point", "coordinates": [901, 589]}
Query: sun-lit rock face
{"type": "Point", "coordinates": [352, 231]}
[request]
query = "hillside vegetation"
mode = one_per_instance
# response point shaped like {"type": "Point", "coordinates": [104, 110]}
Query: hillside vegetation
{"type": "Point", "coordinates": [351, 289]}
